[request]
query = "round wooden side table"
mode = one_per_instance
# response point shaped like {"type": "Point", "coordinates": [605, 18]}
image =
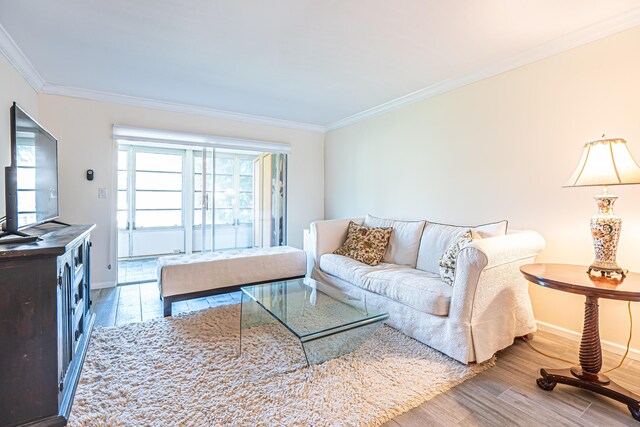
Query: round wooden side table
{"type": "Point", "coordinates": [574, 279]}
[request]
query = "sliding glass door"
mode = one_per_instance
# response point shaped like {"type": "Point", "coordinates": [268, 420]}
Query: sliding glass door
{"type": "Point", "coordinates": [176, 199]}
{"type": "Point", "coordinates": [270, 200]}
{"type": "Point", "coordinates": [202, 200]}
{"type": "Point", "coordinates": [150, 201]}
{"type": "Point", "coordinates": [234, 194]}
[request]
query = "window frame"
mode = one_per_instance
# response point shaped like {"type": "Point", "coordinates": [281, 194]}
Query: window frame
{"type": "Point", "coordinates": [236, 188]}
{"type": "Point", "coordinates": [132, 209]}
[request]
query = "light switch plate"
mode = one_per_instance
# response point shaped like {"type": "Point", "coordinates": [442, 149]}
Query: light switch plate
{"type": "Point", "coordinates": [102, 193]}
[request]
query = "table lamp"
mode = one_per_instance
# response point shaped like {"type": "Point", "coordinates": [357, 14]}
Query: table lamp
{"type": "Point", "coordinates": [605, 162]}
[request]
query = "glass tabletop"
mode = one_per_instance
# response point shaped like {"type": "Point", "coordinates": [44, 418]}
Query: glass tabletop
{"type": "Point", "coordinates": [309, 308]}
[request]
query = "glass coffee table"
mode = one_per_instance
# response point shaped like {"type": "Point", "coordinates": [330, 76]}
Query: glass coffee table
{"type": "Point", "coordinates": [327, 322]}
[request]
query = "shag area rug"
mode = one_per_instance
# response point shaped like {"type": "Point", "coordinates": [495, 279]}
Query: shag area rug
{"type": "Point", "coordinates": [185, 371]}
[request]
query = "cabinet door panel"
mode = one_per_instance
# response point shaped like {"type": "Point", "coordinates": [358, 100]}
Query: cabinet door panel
{"type": "Point", "coordinates": [65, 343]}
{"type": "Point", "coordinates": [27, 339]}
{"type": "Point", "coordinates": [87, 276]}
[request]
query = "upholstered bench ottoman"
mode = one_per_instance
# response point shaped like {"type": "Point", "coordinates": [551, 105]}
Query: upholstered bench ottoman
{"type": "Point", "coordinates": [182, 277]}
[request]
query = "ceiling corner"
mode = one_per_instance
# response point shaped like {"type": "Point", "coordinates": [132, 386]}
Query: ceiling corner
{"type": "Point", "coordinates": [16, 57]}
{"type": "Point", "coordinates": [600, 30]}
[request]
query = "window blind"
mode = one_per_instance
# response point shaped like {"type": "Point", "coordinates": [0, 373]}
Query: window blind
{"type": "Point", "coordinates": [135, 134]}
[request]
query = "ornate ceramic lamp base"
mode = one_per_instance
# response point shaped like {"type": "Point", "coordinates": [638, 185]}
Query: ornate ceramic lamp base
{"type": "Point", "coordinates": [605, 231]}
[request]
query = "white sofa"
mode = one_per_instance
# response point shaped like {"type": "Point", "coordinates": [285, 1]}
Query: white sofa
{"type": "Point", "coordinates": [483, 311]}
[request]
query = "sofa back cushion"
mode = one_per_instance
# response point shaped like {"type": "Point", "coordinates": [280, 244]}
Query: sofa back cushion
{"type": "Point", "coordinates": [437, 238]}
{"type": "Point", "coordinates": [492, 229]}
{"type": "Point", "coordinates": [404, 242]}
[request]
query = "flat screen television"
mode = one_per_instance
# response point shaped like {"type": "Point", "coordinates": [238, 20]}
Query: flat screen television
{"type": "Point", "coordinates": [31, 182]}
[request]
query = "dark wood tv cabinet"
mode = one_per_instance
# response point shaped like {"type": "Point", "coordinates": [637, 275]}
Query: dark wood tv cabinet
{"type": "Point", "coordinates": [45, 324]}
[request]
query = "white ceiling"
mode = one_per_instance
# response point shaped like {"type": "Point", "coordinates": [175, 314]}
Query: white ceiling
{"type": "Point", "coordinates": [298, 60]}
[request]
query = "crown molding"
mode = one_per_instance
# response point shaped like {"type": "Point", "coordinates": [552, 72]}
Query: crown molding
{"type": "Point", "coordinates": [583, 36]}
{"type": "Point", "coordinates": [16, 57]}
{"type": "Point", "coordinates": [605, 28]}
{"type": "Point", "coordinates": [176, 107]}
{"type": "Point", "coordinates": [21, 63]}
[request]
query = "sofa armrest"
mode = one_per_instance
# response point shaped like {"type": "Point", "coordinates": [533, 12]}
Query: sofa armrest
{"type": "Point", "coordinates": [482, 255]}
{"type": "Point", "coordinates": [327, 236]}
{"type": "Point", "coordinates": [489, 287]}
{"type": "Point", "coordinates": [510, 248]}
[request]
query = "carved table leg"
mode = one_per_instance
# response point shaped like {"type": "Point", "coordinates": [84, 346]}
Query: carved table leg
{"type": "Point", "coordinates": [590, 349]}
{"type": "Point", "coordinates": [588, 375]}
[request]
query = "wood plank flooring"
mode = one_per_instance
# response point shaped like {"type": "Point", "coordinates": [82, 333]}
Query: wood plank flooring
{"type": "Point", "coordinates": [141, 302]}
{"type": "Point", "coordinates": [137, 270]}
{"type": "Point", "coordinates": [504, 395]}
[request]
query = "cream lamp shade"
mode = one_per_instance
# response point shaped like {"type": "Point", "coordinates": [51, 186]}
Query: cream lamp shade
{"type": "Point", "coordinates": [605, 162]}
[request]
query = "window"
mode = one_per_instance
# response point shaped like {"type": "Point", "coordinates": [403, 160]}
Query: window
{"type": "Point", "coordinates": [151, 182]}
{"type": "Point", "coordinates": [123, 194]}
{"type": "Point", "coordinates": [158, 189]}
{"type": "Point", "coordinates": [245, 201]}
{"type": "Point", "coordinates": [197, 188]}
{"type": "Point", "coordinates": [26, 165]}
{"type": "Point", "coordinates": [225, 191]}
{"type": "Point", "coordinates": [234, 189]}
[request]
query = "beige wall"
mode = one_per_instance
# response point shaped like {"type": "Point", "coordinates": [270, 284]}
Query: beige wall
{"type": "Point", "coordinates": [12, 88]}
{"type": "Point", "coordinates": [502, 148]}
{"type": "Point", "coordinates": [84, 131]}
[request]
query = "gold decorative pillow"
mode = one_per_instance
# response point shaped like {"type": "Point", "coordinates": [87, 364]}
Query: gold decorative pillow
{"type": "Point", "coordinates": [365, 244]}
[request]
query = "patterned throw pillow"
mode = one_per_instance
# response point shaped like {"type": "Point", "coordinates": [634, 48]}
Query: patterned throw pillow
{"type": "Point", "coordinates": [365, 244]}
{"type": "Point", "coordinates": [449, 259]}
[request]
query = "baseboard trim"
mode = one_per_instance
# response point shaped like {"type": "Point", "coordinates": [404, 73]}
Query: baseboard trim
{"type": "Point", "coordinates": [103, 285]}
{"type": "Point", "coordinates": [634, 353]}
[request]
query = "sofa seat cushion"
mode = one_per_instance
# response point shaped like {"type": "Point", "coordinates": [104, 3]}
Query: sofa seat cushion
{"type": "Point", "coordinates": [349, 269]}
{"type": "Point", "coordinates": [417, 289]}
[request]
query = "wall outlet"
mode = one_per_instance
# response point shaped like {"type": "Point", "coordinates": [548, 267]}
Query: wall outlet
{"type": "Point", "coordinates": [102, 193]}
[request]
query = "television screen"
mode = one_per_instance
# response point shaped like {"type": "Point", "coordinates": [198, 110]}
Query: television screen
{"type": "Point", "coordinates": [35, 169]}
